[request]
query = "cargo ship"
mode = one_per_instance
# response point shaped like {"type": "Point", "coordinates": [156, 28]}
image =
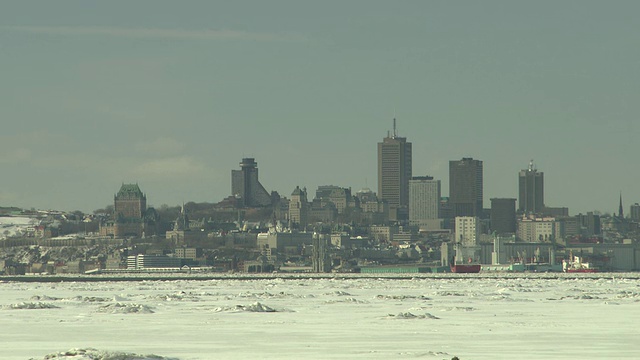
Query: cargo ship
{"type": "Point", "coordinates": [576, 265]}
{"type": "Point", "coordinates": [465, 268]}
{"type": "Point", "coordinates": [468, 268]}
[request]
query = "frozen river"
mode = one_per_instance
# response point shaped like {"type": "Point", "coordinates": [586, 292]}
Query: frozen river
{"type": "Point", "coordinates": [527, 317]}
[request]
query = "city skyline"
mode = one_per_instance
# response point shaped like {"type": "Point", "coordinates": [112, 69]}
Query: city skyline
{"type": "Point", "coordinates": [94, 96]}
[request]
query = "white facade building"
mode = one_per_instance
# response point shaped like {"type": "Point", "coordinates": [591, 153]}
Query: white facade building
{"type": "Point", "coordinates": [424, 200]}
{"type": "Point", "coordinates": [534, 229]}
{"type": "Point", "coordinates": [467, 231]}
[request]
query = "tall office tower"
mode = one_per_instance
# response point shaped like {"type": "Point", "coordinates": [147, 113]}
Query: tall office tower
{"type": "Point", "coordinates": [244, 183]}
{"type": "Point", "coordinates": [394, 172]}
{"type": "Point", "coordinates": [465, 187]}
{"type": "Point", "coordinates": [531, 190]}
{"type": "Point", "coordinates": [635, 212]}
{"type": "Point", "coordinates": [424, 199]}
{"type": "Point", "coordinates": [503, 215]}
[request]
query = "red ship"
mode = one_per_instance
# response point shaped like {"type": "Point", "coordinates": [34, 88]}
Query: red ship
{"type": "Point", "coordinates": [464, 268]}
{"type": "Point", "coordinates": [575, 265]}
{"type": "Point", "coordinates": [582, 270]}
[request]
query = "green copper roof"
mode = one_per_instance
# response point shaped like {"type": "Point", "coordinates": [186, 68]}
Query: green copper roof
{"type": "Point", "coordinates": [130, 191]}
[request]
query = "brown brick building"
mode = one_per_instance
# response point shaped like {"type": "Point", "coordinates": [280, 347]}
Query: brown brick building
{"type": "Point", "coordinates": [130, 216]}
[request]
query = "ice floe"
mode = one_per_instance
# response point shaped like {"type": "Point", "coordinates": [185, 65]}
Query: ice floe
{"type": "Point", "coordinates": [121, 308]}
{"type": "Point", "coordinates": [409, 315]}
{"type": "Point", "coordinates": [94, 354]}
{"type": "Point", "coordinates": [30, 306]}
{"type": "Point", "coordinates": [255, 307]}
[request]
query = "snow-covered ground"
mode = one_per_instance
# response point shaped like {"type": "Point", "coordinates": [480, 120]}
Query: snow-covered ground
{"type": "Point", "coordinates": [15, 225]}
{"type": "Point", "coordinates": [529, 317]}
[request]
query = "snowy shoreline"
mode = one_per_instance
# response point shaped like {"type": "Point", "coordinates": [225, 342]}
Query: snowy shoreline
{"type": "Point", "coordinates": [310, 276]}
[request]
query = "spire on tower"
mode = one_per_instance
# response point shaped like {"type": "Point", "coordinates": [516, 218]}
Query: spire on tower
{"type": "Point", "coordinates": [395, 134]}
{"type": "Point", "coordinates": [621, 209]}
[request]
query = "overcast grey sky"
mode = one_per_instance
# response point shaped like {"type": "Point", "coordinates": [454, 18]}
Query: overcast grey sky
{"type": "Point", "coordinates": [172, 94]}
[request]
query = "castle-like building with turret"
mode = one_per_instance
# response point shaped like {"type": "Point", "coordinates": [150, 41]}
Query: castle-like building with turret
{"type": "Point", "coordinates": [130, 216]}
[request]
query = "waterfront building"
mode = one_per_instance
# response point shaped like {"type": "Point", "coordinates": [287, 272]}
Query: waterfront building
{"type": "Point", "coordinates": [320, 260]}
{"type": "Point", "coordinates": [189, 253]}
{"type": "Point", "coordinates": [465, 187]}
{"type": "Point", "coordinates": [246, 186]}
{"type": "Point", "coordinates": [531, 190]}
{"type": "Point", "coordinates": [394, 172]}
{"type": "Point", "coordinates": [284, 242]}
{"type": "Point", "coordinates": [424, 199]}
{"type": "Point", "coordinates": [503, 215]}
{"type": "Point", "coordinates": [142, 261]}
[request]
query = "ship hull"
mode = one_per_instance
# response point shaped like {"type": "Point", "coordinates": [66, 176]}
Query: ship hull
{"type": "Point", "coordinates": [581, 270]}
{"type": "Point", "coordinates": [466, 269]}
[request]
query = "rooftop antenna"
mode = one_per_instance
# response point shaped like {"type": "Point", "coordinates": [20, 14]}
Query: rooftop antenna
{"type": "Point", "coordinates": [531, 165]}
{"type": "Point", "coordinates": [395, 134]}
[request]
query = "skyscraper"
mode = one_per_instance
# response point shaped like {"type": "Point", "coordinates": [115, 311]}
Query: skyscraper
{"type": "Point", "coordinates": [394, 172]}
{"type": "Point", "coordinates": [503, 215]}
{"type": "Point", "coordinates": [244, 183]}
{"type": "Point", "coordinates": [531, 190]}
{"type": "Point", "coordinates": [424, 199]}
{"type": "Point", "coordinates": [465, 187]}
{"type": "Point", "coordinates": [635, 212]}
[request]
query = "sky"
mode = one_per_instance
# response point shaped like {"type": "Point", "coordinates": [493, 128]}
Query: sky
{"type": "Point", "coordinates": [172, 95]}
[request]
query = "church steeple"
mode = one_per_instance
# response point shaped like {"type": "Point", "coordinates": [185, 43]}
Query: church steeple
{"type": "Point", "coordinates": [621, 209]}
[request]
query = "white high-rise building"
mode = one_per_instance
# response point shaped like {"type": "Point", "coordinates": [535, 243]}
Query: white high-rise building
{"type": "Point", "coordinates": [424, 200]}
{"type": "Point", "coordinates": [467, 230]}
